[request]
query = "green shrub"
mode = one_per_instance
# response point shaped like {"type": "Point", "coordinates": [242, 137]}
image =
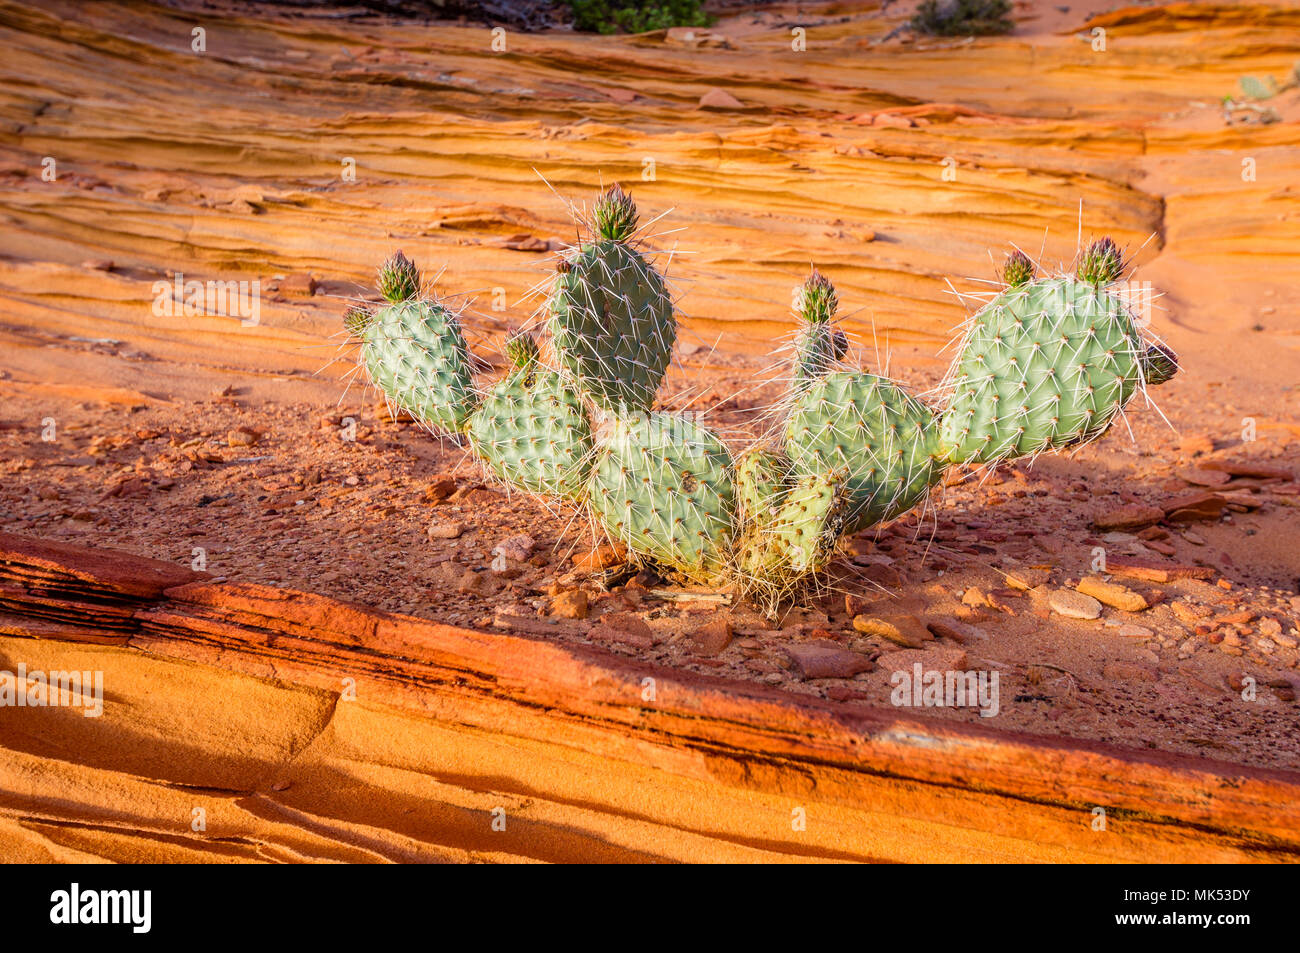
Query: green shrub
{"type": "Point", "coordinates": [636, 16]}
{"type": "Point", "coordinates": [963, 17]}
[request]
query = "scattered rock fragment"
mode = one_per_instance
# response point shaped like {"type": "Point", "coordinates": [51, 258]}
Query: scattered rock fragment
{"type": "Point", "coordinates": [517, 548]}
{"type": "Point", "coordinates": [1256, 471]}
{"type": "Point", "coordinates": [570, 604]}
{"type": "Point", "coordinates": [439, 489]}
{"type": "Point", "coordinates": [1027, 577]}
{"type": "Point", "coordinates": [712, 637]}
{"type": "Point", "coordinates": [1202, 477]}
{"type": "Point", "coordinates": [827, 660]}
{"type": "Point", "coordinates": [1157, 571]}
{"type": "Point", "coordinates": [298, 286]}
{"type": "Point", "coordinates": [934, 659]}
{"type": "Point", "coordinates": [625, 628]}
{"type": "Point", "coordinates": [1194, 508]}
{"type": "Point", "coordinates": [1074, 605]}
{"type": "Point", "coordinates": [905, 630]}
{"type": "Point", "coordinates": [959, 632]}
{"type": "Point", "coordinates": [1129, 517]}
{"type": "Point", "coordinates": [605, 556]}
{"type": "Point", "coordinates": [440, 530]}
{"type": "Point", "coordinates": [1112, 594]}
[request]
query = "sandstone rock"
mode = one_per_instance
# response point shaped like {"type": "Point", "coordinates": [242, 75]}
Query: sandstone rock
{"type": "Point", "coordinates": [1027, 577]}
{"type": "Point", "coordinates": [720, 99]}
{"type": "Point", "coordinates": [882, 575]}
{"type": "Point", "coordinates": [1195, 507]}
{"type": "Point", "coordinates": [440, 488]}
{"type": "Point", "coordinates": [1202, 477]}
{"type": "Point", "coordinates": [1074, 605]}
{"type": "Point", "coordinates": [712, 637]}
{"type": "Point", "coordinates": [1258, 471]}
{"type": "Point", "coordinates": [602, 557]}
{"type": "Point", "coordinates": [1157, 571]}
{"type": "Point", "coordinates": [517, 548]}
{"type": "Point", "coordinates": [440, 530]}
{"type": "Point", "coordinates": [1112, 594]}
{"type": "Point", "coordinates": [959, 632]}
{"type": "Point", "coordinates": [931, 659]}
{"type": "Point", "coordinates": [298, 286]}
{"type": "Point", "coordinates": [625, 628]}
{"type": "Point", "coordinates": [906, 630]}
{"type": "Point", "coordinates": [826, 660]}
{"type": "Point", "coordinates": [1129, 517]}
{"type": "Point", "coordinates": [570, 604]}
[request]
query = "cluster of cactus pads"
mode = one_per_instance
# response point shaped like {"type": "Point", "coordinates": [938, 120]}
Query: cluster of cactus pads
{"type": "Point", "coordinates": [1048, 363]}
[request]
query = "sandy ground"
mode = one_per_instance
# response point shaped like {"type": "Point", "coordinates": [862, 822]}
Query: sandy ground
{"type": "Point", "coordinates": [180, 438]}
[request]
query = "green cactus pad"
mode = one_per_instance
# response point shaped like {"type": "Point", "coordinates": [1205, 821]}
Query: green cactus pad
{"type": "Point", "coordinates": [663, 486]}
{"type": "Point", "coordinates": [416, 354]}
{"type": "Point", "coordinates": [817, 349]}
{"type": "Point", "coordinates": [612, 325]}
{"type": "Point", "coordinates": [886, 439]}
{"type": "Point", "coordinates": [760, 484]}
{"type": "Point", "coordinates": [1044, 365]}
{"type": "Point", "coordinates": [532, 432]}
{"type": "Point", "coordinates": [781, 554]}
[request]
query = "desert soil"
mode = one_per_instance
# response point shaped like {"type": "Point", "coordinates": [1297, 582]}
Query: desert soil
{"type": "Point", "coordinates": [246, 446]}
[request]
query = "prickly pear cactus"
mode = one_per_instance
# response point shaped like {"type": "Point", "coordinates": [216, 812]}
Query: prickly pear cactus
{"type": "Point", "coordinates": [1048, 363]}
{"type": "Point", "coordinates": [612, 321]}
{"type": "Point", "coordinates": [415, 351]}
{"type": "Point", "coordinates": [532, 430]}
{"type": "Point", "coordinates": [664, 486]}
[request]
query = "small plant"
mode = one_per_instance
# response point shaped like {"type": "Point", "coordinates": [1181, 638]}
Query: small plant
{"type": "Point", "coordinates": [636, 16]}
{"type": "Point", "coordinates": [1252, 87]}
{"type": "Point", "coordinates": [963, 17]}
{"type": "Point", "coordinates": [1049, 363]}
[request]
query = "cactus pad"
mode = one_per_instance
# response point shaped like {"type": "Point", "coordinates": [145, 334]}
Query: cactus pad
{"type": "Point", "coordinates": [612, 320]}
{"type": "Point", "coordinates": [663, 486]}
{"type": "Point", "coordinates": [416, 354]}
{"type": "Point", "coordinates": [886, 440]}
{"type": "Point", "coordinates": [1044, 365]}
{"type": "Point", "coordinates": [531, 429]}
